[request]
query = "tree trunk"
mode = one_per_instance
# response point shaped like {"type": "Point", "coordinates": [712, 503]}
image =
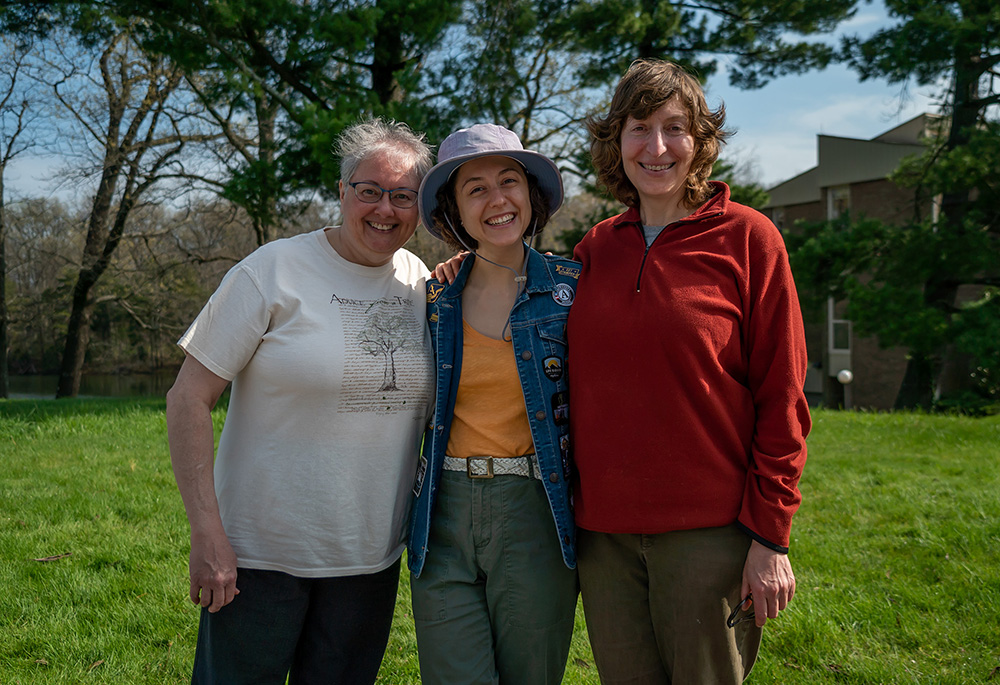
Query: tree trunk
{"type": "Point", "coordinates": [4, 371]}
{"type": "Point", "coordinates": [267, 212]}
{"type": "Point", "coordinates": [387, 60]}
{"type": "Point", "coordinates": [917, 389]}
{"type": "Point", "coordinates": [923, 371]}
{"type": "Point", "coordinates": [77, 337]}
{"type": "Point", "coordinates": [95, 256]}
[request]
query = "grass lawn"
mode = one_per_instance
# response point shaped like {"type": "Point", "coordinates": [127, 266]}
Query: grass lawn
{"type": "Point", "coordinates": [896, 550]}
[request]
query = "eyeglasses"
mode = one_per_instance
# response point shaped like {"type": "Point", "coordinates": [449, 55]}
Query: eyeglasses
{"type": "Point", "coordinates": [732, 621]}
{"type": "Point", "coordinates": [370, 193]}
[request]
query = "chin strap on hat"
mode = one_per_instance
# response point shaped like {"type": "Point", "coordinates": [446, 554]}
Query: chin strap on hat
{"type": "Point", "coordinates": [520, 278]}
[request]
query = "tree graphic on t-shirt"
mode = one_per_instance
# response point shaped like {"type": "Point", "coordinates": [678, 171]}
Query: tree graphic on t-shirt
{"type": "Point", "coordinates": [385, 334]}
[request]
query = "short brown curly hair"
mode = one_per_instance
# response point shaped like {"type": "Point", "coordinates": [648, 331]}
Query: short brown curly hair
{"type": "Point", "coordinates": [454, 232]}
{"type": "Point", "coordinates": [646, 86]}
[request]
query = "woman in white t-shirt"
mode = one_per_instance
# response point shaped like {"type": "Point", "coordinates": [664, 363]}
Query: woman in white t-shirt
{"type": "Point", "coordinates": [297, 532]}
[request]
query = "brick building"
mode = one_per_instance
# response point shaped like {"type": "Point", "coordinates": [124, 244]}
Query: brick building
{"type": "Point", "coordinates": [851, 176]}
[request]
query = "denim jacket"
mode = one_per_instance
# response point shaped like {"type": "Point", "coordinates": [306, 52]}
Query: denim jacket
{"type": "Point", "coordinates": [538, 332]}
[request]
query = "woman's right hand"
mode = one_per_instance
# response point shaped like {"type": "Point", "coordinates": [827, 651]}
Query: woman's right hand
{"type": "Point", "coordinates": [447, 271]}
{"type": "Point", "coordinates": [212, 564]}
{"type": "Point", "coordinates": [212, 569]}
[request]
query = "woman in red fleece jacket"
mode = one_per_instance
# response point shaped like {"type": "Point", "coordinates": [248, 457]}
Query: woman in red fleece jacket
{"type": "Point", "coordinates": [688, 359]}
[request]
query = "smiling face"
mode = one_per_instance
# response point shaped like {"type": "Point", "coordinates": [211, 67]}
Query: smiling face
{"type": "Point", "coordinates": [656, 155]}
{"type": "Point", "coordinates": [371, 233]}
{"type": "Point", "coordinates": [494, 203]}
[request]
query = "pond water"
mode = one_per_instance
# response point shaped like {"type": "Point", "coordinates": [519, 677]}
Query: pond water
{"type": "Point", "coordinates": [95, 385]}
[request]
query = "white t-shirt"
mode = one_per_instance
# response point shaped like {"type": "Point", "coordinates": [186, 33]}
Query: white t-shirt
{"type": "Point", "coordinates": [332, 376]}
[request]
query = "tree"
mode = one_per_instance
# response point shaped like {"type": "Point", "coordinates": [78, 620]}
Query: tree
{"type": "Point", "coordinates": [15, 117]}
{"type": "Point", "coordinates": [510, 65]}
{"type": "Point", "coordinates": [167, 263]}
{"type": "Point", "coordinates": [540, 67]}
{"type": "Point", "coordinates": [384, 335]}
{"type": "Point", "coordinates": [279, 78]}
{"type": "Point", "coordinates": [742, 181]}
{"type": "Point", "coordinates": [44, 241]}
{"type": "Point", "coordinates": [903, 282]}
{"type": "Point", "coordinates": [760, 39]}
{"type": "Point", "coordinates": [323, 64]}
{"type": "Point", "coordinates": [135, 137]}
{"type": "Point", "coordinates": [246, 170]}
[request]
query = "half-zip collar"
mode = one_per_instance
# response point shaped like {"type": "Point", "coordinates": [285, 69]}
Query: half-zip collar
{"type": "Point", "coordinates": [713, 208]}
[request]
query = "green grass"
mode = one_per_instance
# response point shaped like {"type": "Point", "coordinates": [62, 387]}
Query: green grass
{"type": "Point", "coordinates": [896, 550]}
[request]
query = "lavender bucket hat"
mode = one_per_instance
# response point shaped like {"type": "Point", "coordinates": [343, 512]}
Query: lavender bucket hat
{"type": "Point", "coordinates": [484, 140]}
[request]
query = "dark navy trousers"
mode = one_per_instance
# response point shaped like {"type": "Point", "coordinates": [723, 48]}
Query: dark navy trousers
{"type": "Point", "coordinates": [310, 630]}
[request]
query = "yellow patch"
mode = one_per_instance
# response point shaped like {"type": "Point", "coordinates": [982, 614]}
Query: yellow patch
{"type": "Point", "coordinates": [433, 318]}
{"type": "Point", "coordinates": [434, 291]}
{"type": "Point", "coordinates": [571, 271]}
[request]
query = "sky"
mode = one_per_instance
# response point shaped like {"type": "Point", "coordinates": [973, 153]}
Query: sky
{"type": "Point", "coordinates": [776, 126]}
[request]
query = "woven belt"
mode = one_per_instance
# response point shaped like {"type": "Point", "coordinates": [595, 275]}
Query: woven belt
{"type": "Point", "coordinates": [487, 467]}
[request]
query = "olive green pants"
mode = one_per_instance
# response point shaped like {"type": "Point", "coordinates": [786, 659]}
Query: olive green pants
{"type": "Point", "coordinates": [656, 606]}
{"type": "Point", "coordinates": [494, 603]}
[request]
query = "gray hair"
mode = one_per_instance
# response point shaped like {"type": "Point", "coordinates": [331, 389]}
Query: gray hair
{"type": "Point", "coordinates": [375, 135]}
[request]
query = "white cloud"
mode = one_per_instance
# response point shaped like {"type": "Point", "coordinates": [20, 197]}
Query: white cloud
{"type": "Point", "coordinates": [852, 116]}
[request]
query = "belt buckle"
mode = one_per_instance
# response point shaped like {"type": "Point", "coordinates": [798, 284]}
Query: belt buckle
{"type": "Point", "coordinates": [489, 467]}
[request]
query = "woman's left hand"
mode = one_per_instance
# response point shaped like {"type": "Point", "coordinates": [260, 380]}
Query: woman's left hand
{"type": "Point", "coordinates": [767, 575]}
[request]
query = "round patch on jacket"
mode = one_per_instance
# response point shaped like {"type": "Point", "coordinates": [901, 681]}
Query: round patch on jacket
{"type": "Point", "coordinates": [563, 294]}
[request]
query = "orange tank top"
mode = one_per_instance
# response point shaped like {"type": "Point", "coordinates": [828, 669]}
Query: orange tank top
{"type": "Point", "coordinates": [490, 417]}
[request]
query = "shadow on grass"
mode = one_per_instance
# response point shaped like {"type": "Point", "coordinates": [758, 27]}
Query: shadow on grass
{"type": "Point", "coordinates": [34, 410]}
{"type": "Point", "coordinates": [88, 406]}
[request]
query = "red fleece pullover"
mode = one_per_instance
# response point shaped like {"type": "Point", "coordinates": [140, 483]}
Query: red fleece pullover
{"type": "Point", "coordinates": [688, 362]}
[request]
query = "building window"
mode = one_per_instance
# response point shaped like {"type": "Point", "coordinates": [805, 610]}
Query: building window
{"type": "Point", "coordinates": [840, 335]}
{"type": "Point", "coordinates": [838, 199]}
{"type": "Point", "coordinates": [779, 218]}
{"type": "Point", "coordinates": [838, 340]}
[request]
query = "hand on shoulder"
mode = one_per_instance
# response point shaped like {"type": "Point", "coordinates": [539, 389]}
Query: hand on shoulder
{"type": "Point", "coordinates": [446, 272]}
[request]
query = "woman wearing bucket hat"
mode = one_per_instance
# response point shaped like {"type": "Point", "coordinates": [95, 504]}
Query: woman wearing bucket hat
{"type": "Point", "coordinates": [492, 539]}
